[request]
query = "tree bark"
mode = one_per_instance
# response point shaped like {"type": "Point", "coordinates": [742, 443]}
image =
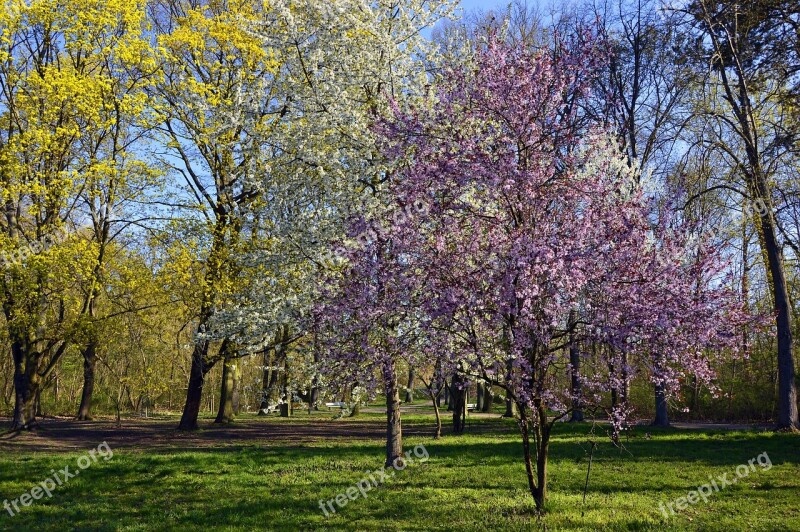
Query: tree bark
{"type": "Point", "coordinates": [25, 385]}
{"type": "Point", "coordinates": [459, 402]}
{"type": "Point", "coordinates": [286, 393]}
{"type": "Point", "coordinates": [89, 367]}
{"type": "Point", "coordinates": [236, 395]}
{"type": "Point", "coordinates": [487, 398]}
{"type": "Point", "coordinates": [194, 393]}
{"type": "Point", "coordinates": [787, 387]}
{"type": "Point", "coordinates": [268, 382]}
{"type": "Point", "coordinates": [394, 429]}
{"type": "Point", "coordinates": [313, 399]}
{"type": "Point", "coordinates": [436, 411]}
{"type": "Point", "coordinates": [537, 475]}
{"type": "Point", "coordinates": [225, 413]}
{"type": "Point", "coordinates": [662, 414]}
{"type": "Point", "coordinates": [575, 373]}
{"type": "Point", "coordinates": [410, 387]}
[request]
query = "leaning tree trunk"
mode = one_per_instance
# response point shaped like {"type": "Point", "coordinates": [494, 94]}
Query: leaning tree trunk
{"type": "Point", "coordinates": [89, 367]}
{"type": "Point", "coordinates": [436, 411]}
{"type": "Point", "coordinates": [394, 428]}
{"type": "Point", "coordinates": [194, 393]}
{"type": "Point", "coordinates": [787, 388]}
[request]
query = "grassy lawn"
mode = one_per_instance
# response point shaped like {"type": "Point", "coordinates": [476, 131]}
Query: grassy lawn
{"type": "Point", "coordinates": [473, 482]}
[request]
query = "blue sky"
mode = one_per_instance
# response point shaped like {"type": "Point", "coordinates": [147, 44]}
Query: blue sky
{"type": "Point", "coordinates": [486, 5]}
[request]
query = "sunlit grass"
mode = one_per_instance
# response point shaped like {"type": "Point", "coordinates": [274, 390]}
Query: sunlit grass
{"type": "Point", "coordinates": [471, 482]}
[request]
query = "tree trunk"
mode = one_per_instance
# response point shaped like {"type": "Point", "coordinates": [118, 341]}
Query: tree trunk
{"type": "Point", "coordinates": [267, 384]}
{"type": "Point", "coordinates": [487, 398]}
{"type": "Point", "coordinates": [194, 393]}
{"type": "Point", "coordinates": [236, 395]}
{"type": "Point", "coordinates": [410, 387]}
{"type": "Point", "coordinates": [787, 388]}
{"type": "Point", "coordinates": [394, 429]}
{"type": "Point", "coordinates": [313, 399]}
{"type": "Point", "coordinates": [479, 394]}
{"type": "Point", "coordinates": [436, 411]}
{"type": "Point", "coordinates": [89, 367]}
{"type": "Point", "coordinates": [510, 406]}
{"type": "Point", "coordinates": [286, 393]}
{"type": "Point", "coordinates": [575, 373]}
{"type": "Point", "coordinates": [25, 387]}
{"type": "Point", "coordinates": [537, 476]}
{"type": "Point", "coordinates": [225, 413]}
{"type": "Point", "coordinates": [662, 415]}
{"type": "Point", "coordinates": [459, 402]}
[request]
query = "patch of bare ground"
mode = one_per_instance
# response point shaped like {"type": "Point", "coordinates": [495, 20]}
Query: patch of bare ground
{"type": "Point", "coordinates": [64, 434]}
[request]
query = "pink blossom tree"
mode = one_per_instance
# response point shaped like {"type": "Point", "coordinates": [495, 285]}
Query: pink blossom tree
{"type": "Point", "coordinates": [537, 240]}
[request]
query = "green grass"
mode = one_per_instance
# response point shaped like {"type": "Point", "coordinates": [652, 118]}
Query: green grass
{"type": "Point", "coordinates": [471, 482]}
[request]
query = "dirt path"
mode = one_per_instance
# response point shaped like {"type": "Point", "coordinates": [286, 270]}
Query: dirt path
{"type": "Point", "coordinates": [54, 434]}
{"type": "Point", "coordinates": [65, 434]}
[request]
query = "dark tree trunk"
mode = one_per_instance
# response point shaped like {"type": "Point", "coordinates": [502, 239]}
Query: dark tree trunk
{"type": "Point", "coordinates": [410, 387]}
{"type": "Point", "coordinates": [436, 411]}
{"type": "Point", "coordinates": [536, 471]}
{"type": "Point", "coordinates": [575, 363]}
{"type": "Point", "coordinates": [695, 402]}
{"type": "Point", "coordinates": [37, 401]}
{"type": "Point", "coordinates": [787, 387]}
{"type": "Point", "coordinates": [89, 367]}
{"type": "Point", "coordinates": [459, 402]}
{"type": "Point", "coordinates": [448, 396]}
{"type": "Point", "coordinates": [25, 387]}
{"type": "Point", "coordinates": [479, 393]}
{"type": "Point", "coordinates": [394, 429]}
{"type": "Point", "coordinates": [225, 413]}
{"type": "Point", "coordinates": [314, 393]}
{"type": "Point", "coordinates": [662, 414]}
{"type": "Point", "coordinates": [487, 398]}
{"type": "Point", "coordinates": [194, 393]}
{"type": "Point", "coordinates": [510, 408]}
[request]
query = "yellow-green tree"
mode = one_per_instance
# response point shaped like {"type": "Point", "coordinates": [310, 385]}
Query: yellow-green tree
{"type": "Point", "coordinates": [56, 87]}
{"type": "Point", "coordinates": [217, 108]}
